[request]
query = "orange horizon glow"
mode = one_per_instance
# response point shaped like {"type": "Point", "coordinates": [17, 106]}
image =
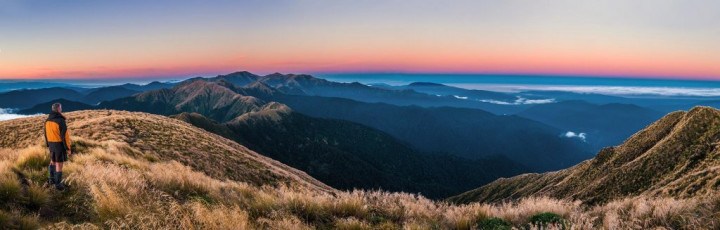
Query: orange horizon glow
{"type": "Point", "coordinates": [561, 66]}
{"type": "Point", "coordinates": [135, 39]}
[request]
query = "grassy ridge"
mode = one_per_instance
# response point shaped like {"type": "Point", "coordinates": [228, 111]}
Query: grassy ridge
{"type": "Point", "coordinates": [677, 156]}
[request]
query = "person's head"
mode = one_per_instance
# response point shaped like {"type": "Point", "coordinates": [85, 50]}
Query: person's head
{"type": "Point", "coordinates": [57, 107]}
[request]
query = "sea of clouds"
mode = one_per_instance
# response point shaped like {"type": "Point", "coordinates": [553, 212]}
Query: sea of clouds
{"type": "Point", "coordinates": [519, 101]}
{"type": "Point", "coordinates": [607, 90]}
{"type": "Point", "coordinates": [7, 114]}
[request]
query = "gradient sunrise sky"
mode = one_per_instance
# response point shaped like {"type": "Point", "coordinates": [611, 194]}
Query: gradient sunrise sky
{"type": "Point", "coordinates": [131, 38]}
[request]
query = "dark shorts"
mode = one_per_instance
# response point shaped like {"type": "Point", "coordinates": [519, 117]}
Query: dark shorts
{"type": "Point", "coordinates": [58, 156]}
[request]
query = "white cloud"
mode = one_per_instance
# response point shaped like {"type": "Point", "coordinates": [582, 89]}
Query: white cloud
{"type": "Point", "coordinates": [607, 90]}
{"type": "Point", "coordinates": [521, 101]}
{"type": "Point", "coordinates": [525, 101]}
{"type": "Point", "coordinates": [460, 97]}
{"type": "Point", "coordinates": [571, 134]}
{"type": "Point", "coordinates": [7, 114]}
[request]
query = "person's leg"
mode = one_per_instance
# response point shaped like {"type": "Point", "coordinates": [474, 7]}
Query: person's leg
{"type": "Point", "coordinates": [58, 174]}
{"type": "Point", "coordinates": [51, 172]}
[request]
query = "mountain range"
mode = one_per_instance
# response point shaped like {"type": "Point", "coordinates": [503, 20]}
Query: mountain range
{"type": "Point", "coordinates": [303, 84]}
{"type": "Point", "coordinates": [289, 151]}
{"type": "Point", "coordinates": [28, 97]}
{"type": "Point", "coordinates": [464, 132]}
{"type": "Point", "coordinates": [467, 133]}
{"type": "Point", "coordinates": [142, 171]}
{"type": "Point", "coordinates": [340, 153]}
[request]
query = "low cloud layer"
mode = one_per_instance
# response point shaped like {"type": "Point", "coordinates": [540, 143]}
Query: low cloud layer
{"type": "Point", "coordinates": [521, 101]}
{"type": "Point", "coordinates": [606, 90]}
{"type": "Point", "coordinates": [571, 134]}
{"type": "Point", "coordinates": [7, 114]}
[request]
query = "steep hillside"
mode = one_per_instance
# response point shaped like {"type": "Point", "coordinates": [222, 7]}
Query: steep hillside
{"type": "Point", "coordinates": [604, 125]}
{"type": "Point", "coordinates": [347, 155]}
{"type": "Point", "coordinates": [677, 156]}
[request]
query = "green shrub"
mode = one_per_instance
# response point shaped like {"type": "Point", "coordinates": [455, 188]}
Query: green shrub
{"type": "Point", "coordinates": [28, 222]}
{"type": "Point", "coordinates": [494, 224]}
{"type": "Point", "coordinates": [310, 212]}
{"type": "Point", "coordinates": [9, 188]}
{"type": "Point", "coordinates": [37, 196]}
{"type": "Point", "coordinates": [545, 218]}
{"type": "Point", "coordinates": [34, 158]}
{"type": "Point", "coordinates": [5, 220]}
{"type": "Point", "coordinates": [37, 176]}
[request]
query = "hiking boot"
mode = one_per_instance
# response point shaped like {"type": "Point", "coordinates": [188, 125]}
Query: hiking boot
{"type": "Point", "coordinates": [49, 184]}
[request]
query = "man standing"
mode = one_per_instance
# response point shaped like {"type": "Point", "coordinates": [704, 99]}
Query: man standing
{"type": "Point", "coordinates": [57, 138]}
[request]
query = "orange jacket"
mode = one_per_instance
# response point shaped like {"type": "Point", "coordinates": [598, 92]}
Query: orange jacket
{"type": "Point", "coordinates": [57, 136]}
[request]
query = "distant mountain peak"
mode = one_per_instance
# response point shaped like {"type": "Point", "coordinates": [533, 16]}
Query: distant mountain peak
{"type": "Point", "coordinates": [276, 74]}
{"type": "Point", "coordinates": [244, 73]}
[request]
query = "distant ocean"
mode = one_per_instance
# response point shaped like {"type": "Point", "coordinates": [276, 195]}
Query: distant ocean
{"type": "Point", "coordinates": [516, 83]}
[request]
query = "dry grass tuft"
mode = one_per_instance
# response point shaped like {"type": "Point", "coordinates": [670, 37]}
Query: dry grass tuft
{"type": "Point", "coordinates": [351, 224]}
{"type": "Point", "coordinates": [180, 180]}
{"type": "Point", "coordinates": [36, 196]}
{"type": "Point", "coordinates": [34, 157]}
{"type": "Point", "coordinates": [9, 184]}
{"type": "Point", "coordinates": [219, 217]}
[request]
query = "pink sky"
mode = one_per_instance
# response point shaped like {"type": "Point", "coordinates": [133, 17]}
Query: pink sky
{"type": "Point", "coordinates": [88, 39]}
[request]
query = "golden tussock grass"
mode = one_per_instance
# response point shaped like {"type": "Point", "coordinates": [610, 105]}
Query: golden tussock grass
{"type": "Point", "coordinates": [34, 157]}
{"type": "Point", "coordinates": [150, 197]}
{"type": "Point", "coordinates": [115, 186]}
{"type": "Point", "coordinates": [9, 184]}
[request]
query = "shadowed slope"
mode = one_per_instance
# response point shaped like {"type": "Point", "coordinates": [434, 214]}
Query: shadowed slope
{"type": "Point", "coordinates": [340, 153]}
{"type": "Point", "coordinates": [468, 133]}
{"type": "Point", "coordinates": [347, 155]}
{"type": "Point", "coordinates": [676, 156]}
